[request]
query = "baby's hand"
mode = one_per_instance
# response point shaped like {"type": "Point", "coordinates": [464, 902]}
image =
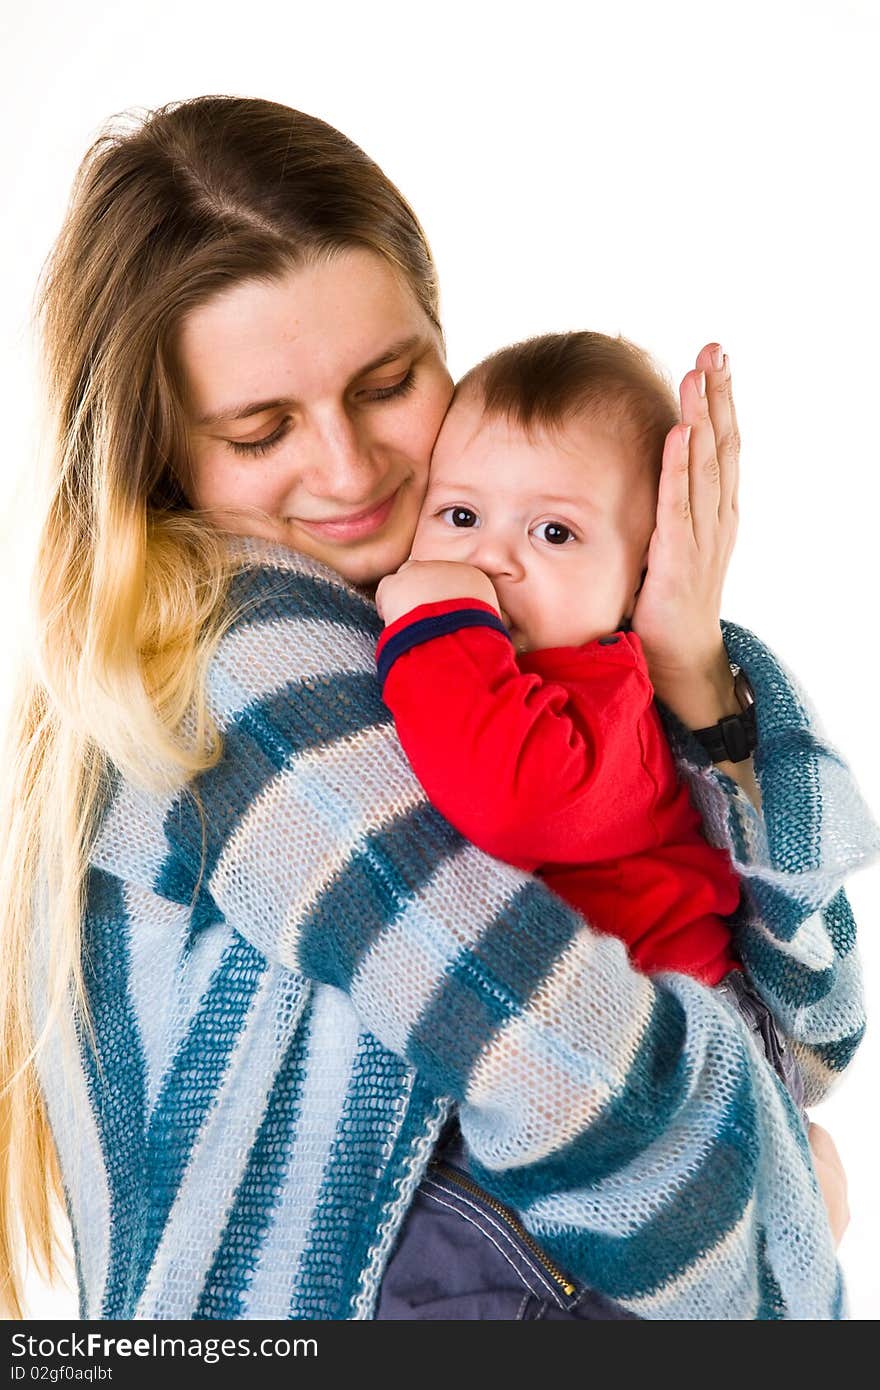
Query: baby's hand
{"type": "Point", "coordinates": [431, 581]}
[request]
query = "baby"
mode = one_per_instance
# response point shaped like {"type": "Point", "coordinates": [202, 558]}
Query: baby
{"type": "Point", "coordinates": [519, 692]}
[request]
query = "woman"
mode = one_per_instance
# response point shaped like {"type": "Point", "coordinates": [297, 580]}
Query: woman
{"type": "Point", "coordinates": [285, 970]}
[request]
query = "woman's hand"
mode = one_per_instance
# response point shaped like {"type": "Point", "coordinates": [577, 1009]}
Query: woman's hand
{"type": "Point", "coordinates": [677, 613]}
{"type": "Point", "coordinates": [430, 581]}
{"type": "Point", "coordinates": [832, 1179]}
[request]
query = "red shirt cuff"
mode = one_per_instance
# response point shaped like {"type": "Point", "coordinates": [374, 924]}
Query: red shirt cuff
{"type": "Point", "coordinates": [432, 610]}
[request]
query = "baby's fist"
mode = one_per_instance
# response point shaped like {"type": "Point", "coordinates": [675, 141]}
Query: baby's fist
{"type": "Point", "coordinates": [430, 581]}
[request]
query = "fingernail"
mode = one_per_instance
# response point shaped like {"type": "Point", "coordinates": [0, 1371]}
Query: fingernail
{"type": "Point", "coordinates": [686, 437]}
{"type": "Point", "coordinates": [718, 358]}
{"type": "Point", "coordinates": [701, 383]}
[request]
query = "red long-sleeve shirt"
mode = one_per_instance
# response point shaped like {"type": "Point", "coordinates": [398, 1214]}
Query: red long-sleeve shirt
{"type": "Point", "coordinates": [557, 762]}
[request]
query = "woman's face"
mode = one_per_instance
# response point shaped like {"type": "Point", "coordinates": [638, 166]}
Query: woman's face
{"type": "Point", "coordinates": [313, 404]}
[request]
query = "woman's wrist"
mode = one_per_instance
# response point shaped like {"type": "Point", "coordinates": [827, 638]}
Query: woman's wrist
{"type": "Point", "coordinates": [699, 697]}
{"type": "Point", "coordinates": [699, 700]}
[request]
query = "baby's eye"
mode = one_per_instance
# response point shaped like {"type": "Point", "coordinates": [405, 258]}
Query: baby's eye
{"type": "Point", "coordinates": [555, 532]}
{"type": "Point", "coordinates": [459, 516]}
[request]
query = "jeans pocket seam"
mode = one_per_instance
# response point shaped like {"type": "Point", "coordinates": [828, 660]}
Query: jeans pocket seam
{"type": "Point", "coordinates": [523, 1254]}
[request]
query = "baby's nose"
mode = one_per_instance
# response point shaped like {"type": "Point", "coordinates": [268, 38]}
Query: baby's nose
{"type": "Point", "coordinates": [493, 556]}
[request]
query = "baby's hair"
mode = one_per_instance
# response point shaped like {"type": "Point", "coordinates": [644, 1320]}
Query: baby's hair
{"type": "Point", "coordinates": [545, 382]}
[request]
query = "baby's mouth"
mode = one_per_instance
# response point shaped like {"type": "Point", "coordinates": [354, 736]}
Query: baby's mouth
{"type": "Point", "coordinates": [517, 637]}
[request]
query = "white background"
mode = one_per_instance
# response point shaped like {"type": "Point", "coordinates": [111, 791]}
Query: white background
{"type": "Point", "coordinates": [677, 172]}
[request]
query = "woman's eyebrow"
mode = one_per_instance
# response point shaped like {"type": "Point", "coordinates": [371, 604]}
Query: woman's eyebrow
{"type": "Point", "coordinates": [241, 412]}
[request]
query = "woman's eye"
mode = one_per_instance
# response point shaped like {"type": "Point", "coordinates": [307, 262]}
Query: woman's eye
{"type": "Point", "coordinates": [459, 516]}
{"type": "Point", "coordinates": [384, 393]}
{"type": "Point", "coordinates": [554, 532]}
{"type": "Point", "coordinates": [260, 446]}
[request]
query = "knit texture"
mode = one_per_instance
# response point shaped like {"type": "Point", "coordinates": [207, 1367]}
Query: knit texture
{"type": "Point", "coordinates": [291, 995]}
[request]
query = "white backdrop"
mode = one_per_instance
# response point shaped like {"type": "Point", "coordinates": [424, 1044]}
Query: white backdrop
{"type": "Point", "coordinates": [677, 172]}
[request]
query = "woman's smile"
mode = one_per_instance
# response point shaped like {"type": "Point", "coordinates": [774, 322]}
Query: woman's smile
{"type": "Point", "coordinates": [354, 526]}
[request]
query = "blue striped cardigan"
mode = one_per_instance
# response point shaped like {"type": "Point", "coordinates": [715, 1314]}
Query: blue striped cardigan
{"type": "Point", "coordinates": [296, 975]}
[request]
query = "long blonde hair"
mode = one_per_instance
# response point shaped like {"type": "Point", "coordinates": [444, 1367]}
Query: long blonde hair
{"type": "Point", "coordinates": [128, 582]}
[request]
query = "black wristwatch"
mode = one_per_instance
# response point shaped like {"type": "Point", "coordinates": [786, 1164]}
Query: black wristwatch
{"type": "Point", "coordinates": [734, 738]}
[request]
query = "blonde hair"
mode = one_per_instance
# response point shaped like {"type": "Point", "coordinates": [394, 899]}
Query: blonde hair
{"type": "Point", "coordinates": [129, 583]}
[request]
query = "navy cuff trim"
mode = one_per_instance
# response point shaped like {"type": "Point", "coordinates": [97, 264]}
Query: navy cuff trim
{"type": "Point", "coordinates": [426, 629]}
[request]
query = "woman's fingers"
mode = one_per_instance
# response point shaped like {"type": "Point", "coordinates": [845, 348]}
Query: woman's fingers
{"type": "Point", "coordinates": [692, 541]}
{"type": "Point", "coordinates": [719, 392]}
{"type": "Point", "coordinates": [707, 404]}
{"type": "Point", "coordinates": [705, 484]}
{"type": "Point", "coordinates": [674, 518]}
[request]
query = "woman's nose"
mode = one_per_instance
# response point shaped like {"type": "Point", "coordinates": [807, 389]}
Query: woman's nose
{"type": "Point", "coordinates": [339, 464]}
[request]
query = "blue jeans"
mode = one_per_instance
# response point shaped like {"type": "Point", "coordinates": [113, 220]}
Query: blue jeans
{"type": "Point", "coordinates": [460, 1255]}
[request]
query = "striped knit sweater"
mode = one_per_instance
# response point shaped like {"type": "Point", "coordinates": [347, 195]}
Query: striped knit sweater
{"type": "Point", "coordinates": [283, 1028]}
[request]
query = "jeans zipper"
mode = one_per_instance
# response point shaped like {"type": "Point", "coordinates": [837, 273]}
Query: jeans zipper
{"type": "Point", "coordinates": [507, 1216]}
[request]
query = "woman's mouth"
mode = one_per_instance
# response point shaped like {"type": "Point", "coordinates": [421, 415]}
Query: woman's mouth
{"type": "Point", "coordinates": [356, 525]}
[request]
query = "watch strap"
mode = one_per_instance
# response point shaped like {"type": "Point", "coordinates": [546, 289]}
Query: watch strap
{"type": "Point", "coordinates": [732, 739]}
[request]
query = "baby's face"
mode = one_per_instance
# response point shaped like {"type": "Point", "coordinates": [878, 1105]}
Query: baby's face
{"type": "Point", "coordinates": [560, 525]}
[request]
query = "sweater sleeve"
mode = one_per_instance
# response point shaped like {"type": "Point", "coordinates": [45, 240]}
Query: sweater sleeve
{"type": "Point", "coordinates": [519, 765]}
{"type": "Point", "coordinates": [795, 931]}
{"type": "Point", "coordinates": [630, 1121]}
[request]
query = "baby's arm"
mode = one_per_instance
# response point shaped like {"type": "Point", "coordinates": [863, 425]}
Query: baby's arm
{"type": "Point", "coordinates": [507, 757]}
